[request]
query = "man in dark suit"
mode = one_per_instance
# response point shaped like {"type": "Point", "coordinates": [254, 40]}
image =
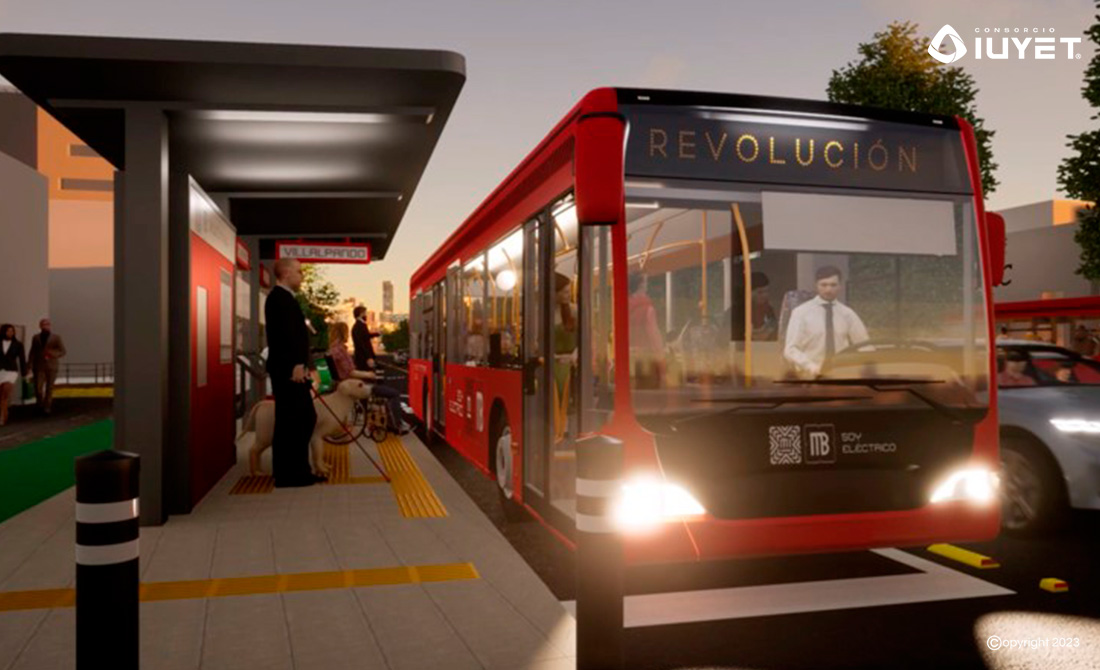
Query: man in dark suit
{"type": "Point", "coordinates": [47, 350]}
{"type": "Point", "coordinates": [361, 339]}
{"type": "Point", "coordinates": [287, 365]}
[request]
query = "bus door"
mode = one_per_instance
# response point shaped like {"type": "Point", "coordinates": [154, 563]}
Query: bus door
{"type": "Point", "coordinates": [536, 372]}
{"type": "Point", "coordinates": [439, 356]}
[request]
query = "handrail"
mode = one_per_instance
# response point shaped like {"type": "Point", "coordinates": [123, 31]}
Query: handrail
{"type": "Point", "coordinates": [99, 373]}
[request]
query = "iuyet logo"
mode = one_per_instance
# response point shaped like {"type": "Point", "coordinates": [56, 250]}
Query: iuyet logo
{"type": "Point", "coordinates": [956, 42]}
{"type": "Point", "coordinates": [1024, 43]}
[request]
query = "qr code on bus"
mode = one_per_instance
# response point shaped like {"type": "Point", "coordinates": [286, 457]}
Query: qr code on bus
{"type": "Point", "coordinates": [785, 445]}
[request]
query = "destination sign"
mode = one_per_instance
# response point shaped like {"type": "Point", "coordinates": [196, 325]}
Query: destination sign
{"type": "Point", "coordinates": [324, 252]}
{"type": "Point", "coordinates": [751, 146]}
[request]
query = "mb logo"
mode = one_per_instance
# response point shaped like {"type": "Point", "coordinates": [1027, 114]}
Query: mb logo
{"type": "Point", "coordinates": [820, 443]}
{"type": "Point", "coordinates": [958, 48]}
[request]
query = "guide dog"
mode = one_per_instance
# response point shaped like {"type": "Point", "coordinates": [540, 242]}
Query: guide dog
{"type": "Point", "coordinates": [261, 421]}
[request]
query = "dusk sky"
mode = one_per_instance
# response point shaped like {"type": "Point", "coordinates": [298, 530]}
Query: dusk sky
{"type": "Point", "coordinates": [528, 63]}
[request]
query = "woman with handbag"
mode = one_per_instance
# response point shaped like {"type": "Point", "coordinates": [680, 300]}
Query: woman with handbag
{"type": "Point", "coordinates": [13, 367]}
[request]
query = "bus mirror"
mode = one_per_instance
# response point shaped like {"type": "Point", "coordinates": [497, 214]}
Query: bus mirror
{"type": "Point", "coordinates": [598, 167]}
{"type": "Point", "coordinates": [995, 235]}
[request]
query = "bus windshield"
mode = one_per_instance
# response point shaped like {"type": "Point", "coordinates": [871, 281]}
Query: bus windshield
{"type": "Point", "coordinates": [768, 295]}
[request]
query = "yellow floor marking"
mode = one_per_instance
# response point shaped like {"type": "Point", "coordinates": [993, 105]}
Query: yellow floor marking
{"type": "Point", "coordinates": [335, 456]}
{"type": "Point", "coordinates": [973, 559]}
{"type": "Point", "coordinates": [243, 586]}
{"type": "Point", "coordinates": [84, 392]}
{"type": "Point", "coordinates": [414, 495]}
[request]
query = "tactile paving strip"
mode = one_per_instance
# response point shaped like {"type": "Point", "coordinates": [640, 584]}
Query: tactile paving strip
{"type": "Point", "coordinates": [335, 456]}
{"type": "Point", "coordinates": [414, 495]}
{"type": "Point", "coordinates": [242, 586]}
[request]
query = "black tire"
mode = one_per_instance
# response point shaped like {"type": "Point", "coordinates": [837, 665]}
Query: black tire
{"type": "Point", "coordinates": [1033, 491]}
{"type": "Point", "coordinates": [513, 511]}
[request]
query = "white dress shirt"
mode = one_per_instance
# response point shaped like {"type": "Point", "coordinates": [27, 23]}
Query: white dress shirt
{"type": "Point", "coordinates": [805, 342]}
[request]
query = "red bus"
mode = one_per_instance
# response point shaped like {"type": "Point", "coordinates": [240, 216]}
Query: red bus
{"type": "Point", "coordinates": [781, 307]}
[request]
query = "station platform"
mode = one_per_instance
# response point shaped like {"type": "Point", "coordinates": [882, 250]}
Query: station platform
{"type": "Point", "coordinates": [356, 573]}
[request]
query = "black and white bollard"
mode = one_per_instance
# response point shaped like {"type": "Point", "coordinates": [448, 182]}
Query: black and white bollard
{"type": "Point", "coordinates": [107, 560]}
{"type": "Point", "coordinates": [599, 555]}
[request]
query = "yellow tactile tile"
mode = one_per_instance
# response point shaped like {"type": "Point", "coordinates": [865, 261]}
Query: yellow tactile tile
{"type": "Point", "coordinates": [414, 495]}
{"type": "Point", "coordinates": [245, 586]}
{"type": "Point", "coordinates": [335, 456]}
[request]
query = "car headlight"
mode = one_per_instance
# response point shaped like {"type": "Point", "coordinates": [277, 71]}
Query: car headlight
{"type": "Point", "coordinates": [976, 484]}
{"type": "Point", "coordinates": [644, 503]}
{"type": "Point", "coordinates": [1076, 425]}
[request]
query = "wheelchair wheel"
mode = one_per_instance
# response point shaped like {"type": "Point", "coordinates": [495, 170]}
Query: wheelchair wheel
{"type": "Point", "coordinates": [379, 420]}
{"type": "Point", "coordinates": [357, 425]}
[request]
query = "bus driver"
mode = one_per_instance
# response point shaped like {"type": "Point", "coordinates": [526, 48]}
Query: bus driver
{"type": "Point", "coordinates": [822, 326]}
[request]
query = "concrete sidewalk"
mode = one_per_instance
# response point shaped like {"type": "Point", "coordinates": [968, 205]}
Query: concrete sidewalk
{"type": "Point", "coordinates": [372, 583]}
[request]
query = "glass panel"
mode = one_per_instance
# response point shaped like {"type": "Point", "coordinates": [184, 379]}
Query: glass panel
{"type": "Point", "coordinates": [505, 286]}
{"type": "Point", "coordinates": [597, 386]}
{"type": "Point", "coordinates": [473, 317]}
{"type": "Point", "coordinates": [565, 355]}
{"type": "Point", "coordinates": [225, 316]}
{"type": "Point", "coordinates": [844, 286]}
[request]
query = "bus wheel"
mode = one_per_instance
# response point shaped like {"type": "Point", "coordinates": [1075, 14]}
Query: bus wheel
{"type": "Point", "coordinates": [504, 471]}
{"type": "Point", "coordinates": [1033, 494]}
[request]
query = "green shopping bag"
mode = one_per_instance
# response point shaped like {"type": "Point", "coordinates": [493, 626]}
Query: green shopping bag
{"type": "Point", "coordinates": [28, 391]}
{"type": "Point", "coordinates": [324, 375]}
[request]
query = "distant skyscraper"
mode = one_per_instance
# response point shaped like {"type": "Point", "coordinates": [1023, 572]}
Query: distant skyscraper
{"type": "Point", "coordinates": [387, 297]}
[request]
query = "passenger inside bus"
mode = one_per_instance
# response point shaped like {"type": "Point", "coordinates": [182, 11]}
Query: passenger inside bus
{"type": "Point", "coordinates": [565, 352]}
{"type": "Point", "coordinates": [765, 324]}
{"type": "Point", "coordinates": [647, 348]}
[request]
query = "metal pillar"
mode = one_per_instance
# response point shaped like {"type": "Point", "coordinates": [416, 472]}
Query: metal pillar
{"type": "Point", "coordinates": [177, 461]}
{"type": "Point", "coordinates": [141, 302]}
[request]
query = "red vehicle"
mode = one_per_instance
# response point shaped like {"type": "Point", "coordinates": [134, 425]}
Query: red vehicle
{"type": "Point", "coordinates": [658, 270]}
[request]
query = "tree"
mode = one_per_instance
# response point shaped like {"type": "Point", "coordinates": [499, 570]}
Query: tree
{"type": "Point", "coordinates": [896, 72]}
{"type": "Point", "coordinates": [398, 340]}
{"type": "Point", "coordinates": [317, 297]}
{"type": "Point", "coordinates": [1079, 173]}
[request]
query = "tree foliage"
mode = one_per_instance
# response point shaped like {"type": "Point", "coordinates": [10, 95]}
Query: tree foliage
{"type": "Point", "coordinates": [894, 71]}
{"type": "Point", "coordinates": [1079, 173]}
{"type": "Point", "coordinates": [398, 340]}
{"type": "Point", "coordinates": [317, 296]}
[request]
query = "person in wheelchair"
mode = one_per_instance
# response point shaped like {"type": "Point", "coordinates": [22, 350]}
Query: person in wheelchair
{"type": "Point", "coordinates": [343, 367]}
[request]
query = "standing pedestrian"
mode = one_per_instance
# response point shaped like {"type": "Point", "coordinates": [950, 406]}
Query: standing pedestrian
{"type": "Point", "coordinates": [47, 350]}
{"type": "Point", "coordinates": [361, 337]}
{"type": "Point", "coordinates": [287, 363]}
{"type": "Point", "coordinates": [13, 367]}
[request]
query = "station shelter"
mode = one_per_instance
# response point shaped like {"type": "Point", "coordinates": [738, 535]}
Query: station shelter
{"type": "Point", "coordinates": [221, 152]}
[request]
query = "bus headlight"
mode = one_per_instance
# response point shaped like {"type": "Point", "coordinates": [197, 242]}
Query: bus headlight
{"type": "Point", "coordinates": [644, 503]}
{"type": "Point", "coordinates": [976, 484]}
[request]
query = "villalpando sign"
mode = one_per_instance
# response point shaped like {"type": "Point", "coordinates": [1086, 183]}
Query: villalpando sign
{"type": "Point", "coordinates": [787, 149]}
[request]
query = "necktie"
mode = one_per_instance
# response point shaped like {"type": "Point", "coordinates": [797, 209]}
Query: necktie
{"type": "Point", "coordinates": [830, 332]}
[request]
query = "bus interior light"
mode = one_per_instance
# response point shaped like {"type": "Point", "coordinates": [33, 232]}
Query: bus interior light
{"type": "Point", "coordinates": [644, 503]}
{"type": "Point", "coordinates": [506, 280]}
{"type": "Point", "coordinates": [643, 205]}
{"type": "Point", "coordinates": [975, 484]}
